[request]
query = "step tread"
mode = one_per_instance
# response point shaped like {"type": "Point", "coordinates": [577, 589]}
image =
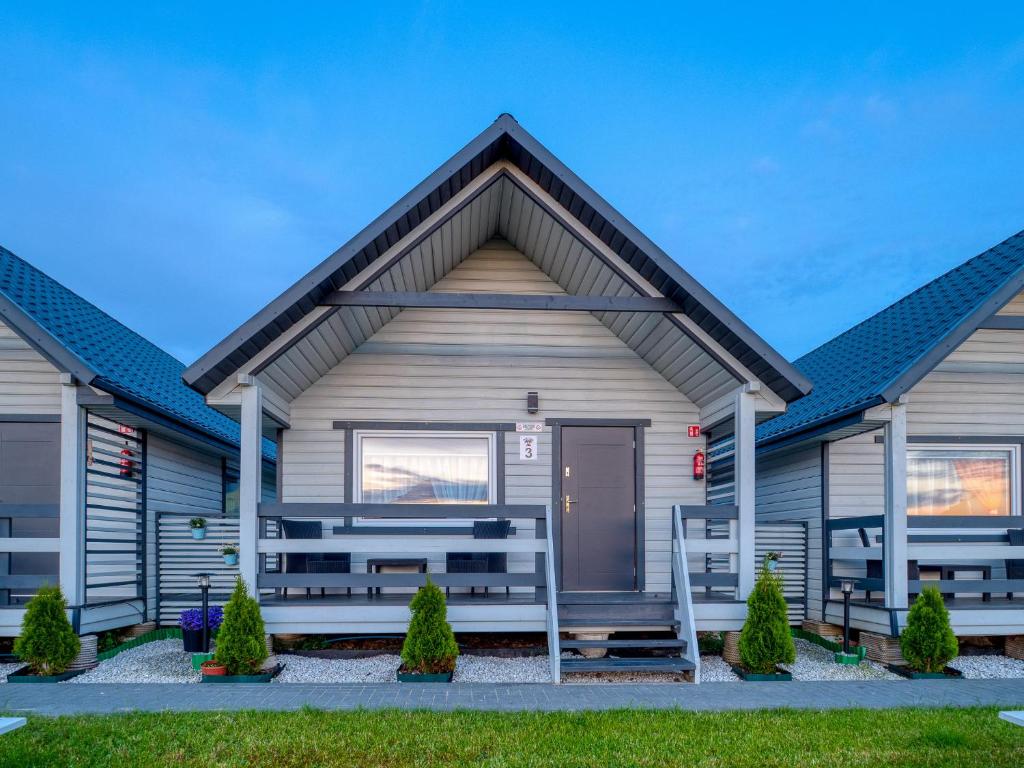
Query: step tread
{"type": "Point", "coordinates": [676, 664]}
{"type": "Point", "coordinates": [630, 643]}
{"type": "Point", "coordinates": [578, 621]}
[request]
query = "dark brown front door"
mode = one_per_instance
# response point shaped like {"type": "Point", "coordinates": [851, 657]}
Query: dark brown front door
{"type": "Point", "coordinates": [598, 516]}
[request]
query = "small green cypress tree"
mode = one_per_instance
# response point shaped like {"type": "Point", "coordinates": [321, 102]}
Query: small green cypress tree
{"type": "Point", "coordinates": [928, 642]}
{"type": "Point", "coordinates": [241, 640]}
{"type": "Point", "coordinates": [429, 646]}
{"type": "Point", "coordinates": [47, 642]}
{"type": "Point", "coordinates": [765, 640]}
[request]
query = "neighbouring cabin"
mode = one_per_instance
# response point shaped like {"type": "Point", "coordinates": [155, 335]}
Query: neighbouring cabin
{"type": "Point", "coordinates": [102, 464]}
{"type": "Point", "coordinates": [503, 385]}
{"type": "Point", "coordinates": [915, 427]}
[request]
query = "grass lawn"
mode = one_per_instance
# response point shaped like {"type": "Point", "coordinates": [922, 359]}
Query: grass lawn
{"type": "Point", "coordinates": [912, 737]}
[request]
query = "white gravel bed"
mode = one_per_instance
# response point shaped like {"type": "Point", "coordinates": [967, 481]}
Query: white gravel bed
{"type": "Point", "coordinates": [988, 667]}
{"type": "Point", "coordinates": [306, 669]}
{"type": "Point", "coordinates": [816, 663]}
{"type": "Point", "coordinates": [6, 669]}
{"type": "Point", "coordinates": [161, 661]}
{"type": "Point", "coordinates": [491, 669]}
{"type": "Point", "coordinates": [715, 669]}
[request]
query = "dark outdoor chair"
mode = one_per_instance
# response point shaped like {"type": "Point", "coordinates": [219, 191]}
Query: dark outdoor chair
{"type": "Point", "coordinates": [876, 571]}
{"type": "Point", "coordinates": [302, 562]}
{"type": "Point", "coordinates": [1015, 568]}
{"type": "Point", "coordinates": [481, 562]}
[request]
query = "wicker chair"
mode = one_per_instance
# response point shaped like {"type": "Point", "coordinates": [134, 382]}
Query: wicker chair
{"type": "Point", "coordinates": [302, 562]}
{"type": "Point", "coordinates": [481, 562]}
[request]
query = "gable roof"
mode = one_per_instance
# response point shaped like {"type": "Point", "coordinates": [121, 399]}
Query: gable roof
{"type": "Point", "coordinates": [506, 140]}
{"type": "Point", "coordinates": [82, 339]}
{"type": "Point", "coordinates": [883, 357]}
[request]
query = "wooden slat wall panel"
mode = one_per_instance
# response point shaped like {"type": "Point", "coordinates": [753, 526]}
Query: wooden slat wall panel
{"type": "Point", "coordinates": [442, 365]}
{"type": "Point", "coordinates": [182, 557]}
{"type": "Point", "coordinates": [29, 384]}
{"type": "Point", "coordinates": [791, 540]}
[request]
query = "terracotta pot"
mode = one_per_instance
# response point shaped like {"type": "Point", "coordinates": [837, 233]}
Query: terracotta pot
{"type": "Point", "coordinates": [213, 668]}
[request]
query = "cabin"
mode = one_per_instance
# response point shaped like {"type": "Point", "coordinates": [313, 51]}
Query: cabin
{"type": "Point", "coordinates": [105, 456]}
{"type": "Point", "coordinates": [905, 460]}
{"type": "Point", "coordinates": [502, 385]}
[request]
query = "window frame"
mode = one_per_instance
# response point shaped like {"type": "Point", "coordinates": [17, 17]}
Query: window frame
{"type": "Point", "coordinates": [493, 476]}
{"type": "Point", "coordinates": [227, 475]}
{"type": "Point", "coordinates": [1012, 449]}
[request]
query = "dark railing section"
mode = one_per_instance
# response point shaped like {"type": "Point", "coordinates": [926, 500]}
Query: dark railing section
{"type": "Point", "coordinates": [29, 550]}
{"type": "Point", "coordinates": [945, 546]}
{"type": "Point", "coordinates": [396, 531]}
{"type": "Point", "coordinates": [718, 545]}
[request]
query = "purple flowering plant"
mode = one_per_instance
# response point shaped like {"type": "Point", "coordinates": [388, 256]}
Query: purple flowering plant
{"type": "Point", "coordinates": [192, 618]}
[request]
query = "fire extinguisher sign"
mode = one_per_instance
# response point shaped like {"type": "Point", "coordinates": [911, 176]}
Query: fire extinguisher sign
{"type": "Point", "coordinates": [693, 430]}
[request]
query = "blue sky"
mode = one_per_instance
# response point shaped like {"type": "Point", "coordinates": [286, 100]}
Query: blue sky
{"type": "Point", "coordinates": [180, 168]}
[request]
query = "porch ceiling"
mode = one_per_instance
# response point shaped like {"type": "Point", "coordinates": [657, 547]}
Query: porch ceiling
{"type": "Point", "coordinates": [502, 208]}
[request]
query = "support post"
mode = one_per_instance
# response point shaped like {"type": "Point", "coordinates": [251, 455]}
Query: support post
{"type": "Point", "coordinates": [250, 479]}
{"type": "Point", "coordinates": [72, 497]}
{"type": "Point", "coordinates": [744, 489]}
{"type": "Point", "coordinates": [894, 552]}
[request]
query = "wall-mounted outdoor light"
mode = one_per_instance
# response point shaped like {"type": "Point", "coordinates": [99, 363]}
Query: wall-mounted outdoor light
{"type": "Point", "coordinates": [532, 402]}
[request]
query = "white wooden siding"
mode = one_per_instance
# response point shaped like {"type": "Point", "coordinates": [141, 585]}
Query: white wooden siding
{"type": "Point", "coordinates": [475, 366]}
{"type": "Point", "coordinates": [789, 490]}
{"type": "Point", "coordinates": [29, 384]}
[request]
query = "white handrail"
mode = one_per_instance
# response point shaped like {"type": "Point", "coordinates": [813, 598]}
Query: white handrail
{"type": "Point", "coordinates": [684, 598]}
{"type": "Point", "coordinates": [554, 647]}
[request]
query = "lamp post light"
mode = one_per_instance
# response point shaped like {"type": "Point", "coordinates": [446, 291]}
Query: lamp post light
{"type": "Point", "coordinates": [204, 587]}
{"type": "Point", "coordinates": [844, 656]}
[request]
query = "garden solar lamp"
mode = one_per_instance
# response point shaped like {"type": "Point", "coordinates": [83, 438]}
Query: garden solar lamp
{"type": "Point", "coordinates": [844, 656]}
{"type": "Point", "coordinates": [204, 587]}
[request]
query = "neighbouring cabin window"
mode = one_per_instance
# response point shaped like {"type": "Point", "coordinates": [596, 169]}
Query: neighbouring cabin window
{"type": "Point", "coordinates": [229, 483]}
{"type": "Point", "coordinates": [962, 481]}
{"type": "Point", "coordinates": [424, 468]}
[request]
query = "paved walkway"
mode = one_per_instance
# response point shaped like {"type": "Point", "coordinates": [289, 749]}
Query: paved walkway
{"type": "Point", "coordinates": [877, 694]}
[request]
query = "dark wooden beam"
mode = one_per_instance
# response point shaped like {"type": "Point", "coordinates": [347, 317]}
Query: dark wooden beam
{"type": "Point", "coordinates": [1004, 323]}
{"type": "Point", "coordinates": [558, 303]}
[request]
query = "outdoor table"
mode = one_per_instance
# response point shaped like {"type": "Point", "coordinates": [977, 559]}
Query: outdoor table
{"type": "Point", "coordinates": [949, 573]}
{"type": "Point", "coordinates": [374, 565]}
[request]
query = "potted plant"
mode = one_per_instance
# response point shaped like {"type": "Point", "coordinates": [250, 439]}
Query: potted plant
{"type": "Point", "coordinates": [213, 668]}
{"type": "Point", "coordinates": [429, 651]}
{"type": "Point", "coordinates": [230, 554]}
{"type": "Point", "coordinates": [47, 643]}
{"type": "Point", "coordinates": [765, 641]}
{"type": "Point", "coordinates": [928, 643]}
{"type": "Point", "coordinates": [198, 526]}
{"type": "Point", "coordinates": [241, 643]}
{"type": "Point", "coordinates": [771, 561]}
{"type": "Point", "coordinates": [191, 623]}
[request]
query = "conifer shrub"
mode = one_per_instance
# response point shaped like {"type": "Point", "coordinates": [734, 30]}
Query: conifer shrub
{"type": "Point", "coordinates": [47, 643]}
{"type": "Point", "coordinates": [241, 642]}
{"type": "Point", "coordinates": [928, 642]}
{"type": "Point", "coordinates": [429, 646]}
{"type": "Point", "coordinates": [765, 640]}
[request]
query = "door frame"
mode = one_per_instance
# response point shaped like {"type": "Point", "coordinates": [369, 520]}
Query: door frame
{"type": "Point", "coordinates": [556, 424]}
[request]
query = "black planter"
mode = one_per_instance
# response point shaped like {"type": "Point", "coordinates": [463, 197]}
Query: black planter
{"type": "Point", "coordinates": [193, 640]}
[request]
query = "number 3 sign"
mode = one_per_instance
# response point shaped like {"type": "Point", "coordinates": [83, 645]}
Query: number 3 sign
{"type": "Point", "coordinates": [527, 448]}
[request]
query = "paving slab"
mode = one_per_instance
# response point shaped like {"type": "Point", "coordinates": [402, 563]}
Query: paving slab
{"type": "Point", "coordinates": [54, 700]}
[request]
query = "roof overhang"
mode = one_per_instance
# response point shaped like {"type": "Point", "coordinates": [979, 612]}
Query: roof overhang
{"type": "Point", "coordinates": [504, 141]}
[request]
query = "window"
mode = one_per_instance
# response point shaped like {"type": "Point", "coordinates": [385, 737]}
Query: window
{"type": "Point", "coordinates": [229, 488]}
{"type": "Point", "coordinates": [974, 480]}
{"type": "Point", "coordinates": [424, 467]}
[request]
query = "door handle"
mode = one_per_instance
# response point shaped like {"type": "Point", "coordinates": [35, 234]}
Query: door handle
{"type": "Point", "coordinates": [568, 502]}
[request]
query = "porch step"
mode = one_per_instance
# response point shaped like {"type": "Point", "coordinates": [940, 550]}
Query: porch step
{"type": "Point", "coordinates": [675, 664]}
{"type": "Point", "coordinates": [634, 642]}
{"type": "Point", "coordinates": [613, 623]}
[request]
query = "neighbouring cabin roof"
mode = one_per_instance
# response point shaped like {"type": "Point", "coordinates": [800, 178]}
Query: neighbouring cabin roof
{"type": "Point", "coordinates": [497, 211]}
{"type": "Point", "coordinates": [80, 338]}
{"type": "Point", "coordinates": [881, 358]}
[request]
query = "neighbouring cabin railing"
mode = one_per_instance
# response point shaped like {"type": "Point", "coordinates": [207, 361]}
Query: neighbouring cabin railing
{"type": "Point", "coordinates": [939, 544]}
{"type": "Point", "coordinates": [27, 562]}
{"type": "Point", "coordinates": [180, 558]}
